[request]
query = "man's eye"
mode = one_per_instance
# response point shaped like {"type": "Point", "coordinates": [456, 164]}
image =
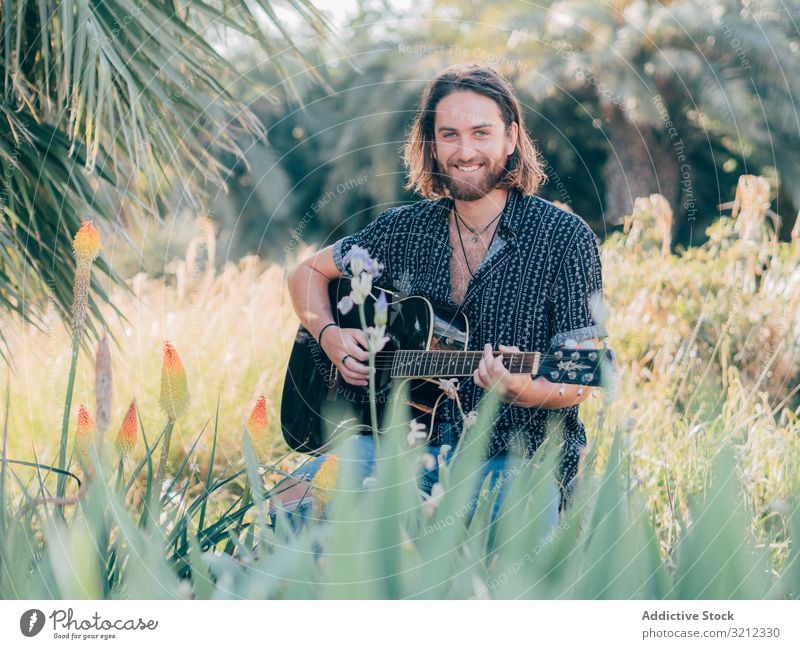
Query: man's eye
{"type": "Point", "coordinates": [446, 135]}
{"type": "Point", "coordinates": [481, 133]}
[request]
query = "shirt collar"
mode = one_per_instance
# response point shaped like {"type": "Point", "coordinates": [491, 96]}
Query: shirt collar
{"type": "Point", "coordinates": [510, 221]}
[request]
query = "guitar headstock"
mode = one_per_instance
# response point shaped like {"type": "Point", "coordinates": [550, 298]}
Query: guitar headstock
{"type": "Point", "coordinates": [579, 366]}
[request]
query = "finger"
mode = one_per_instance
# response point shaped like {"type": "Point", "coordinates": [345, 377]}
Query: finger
{"type": "Point", "coordinates": [356, 368]}
{"type": "Point", "coordinates": [488, 356]}
{"type": "Point", "coordinates": [354, 380]}
{"type": "Point", "coordinates": [360, 337]}
{"type": "Point", "coordinates": [350, 376]}
{"type": "Point", "coordinates": [484, 374]}
{"type": "Point", "coordinates": [512, 349]}
{"type": "Point", "coordinates": [498, 369]}
{"type": "Point", "coordinates": [357, 352]}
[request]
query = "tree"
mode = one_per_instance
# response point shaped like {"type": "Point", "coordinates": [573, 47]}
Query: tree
{"type": "Point", "coordinates": [671, 81]}
{"type": "Point", "coordinates": [106, 105]}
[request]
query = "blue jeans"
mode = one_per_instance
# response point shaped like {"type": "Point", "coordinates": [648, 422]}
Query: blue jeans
{"type": "Point", "coordinates": [362, 452]}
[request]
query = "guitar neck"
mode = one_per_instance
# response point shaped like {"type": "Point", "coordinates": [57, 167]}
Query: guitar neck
{"type": "Point", "coordinates": [442, 363]}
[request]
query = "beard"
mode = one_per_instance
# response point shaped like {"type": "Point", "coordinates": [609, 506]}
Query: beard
{"type": "Point", "coordinates": [472, 189]}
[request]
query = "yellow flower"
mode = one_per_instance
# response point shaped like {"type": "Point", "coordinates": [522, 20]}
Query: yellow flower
{"type": "Point", "coordinates": [174, 391]}
{"type": "Point", "coordinates": [127, 435]}
{"type": "Point", "coordinates": [258, 427]}
{"type": "Point", "coordinates": [324, 483]}
{"type": "Point", "coordinates": [86, 247]}
{"type": "Point", "coordinates": [86, 244]}
{"type": "Point", "coordinates": [84, 438]}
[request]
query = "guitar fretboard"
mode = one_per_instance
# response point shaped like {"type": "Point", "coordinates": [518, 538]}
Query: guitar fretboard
{"type": "Point", "coordinates": [424, 363]}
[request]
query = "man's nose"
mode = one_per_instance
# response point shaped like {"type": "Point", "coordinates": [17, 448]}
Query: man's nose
{"type": "Point", "coordinates": [466, 151]}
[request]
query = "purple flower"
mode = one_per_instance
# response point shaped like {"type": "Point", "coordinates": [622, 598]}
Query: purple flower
{"type": "Point", "coordinates": [360, 262]}
{"type": "Point", "coordinates": [381, 310]}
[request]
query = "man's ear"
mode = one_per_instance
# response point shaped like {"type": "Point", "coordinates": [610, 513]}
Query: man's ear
{"type": "Point", "coordinates": [513, 136]}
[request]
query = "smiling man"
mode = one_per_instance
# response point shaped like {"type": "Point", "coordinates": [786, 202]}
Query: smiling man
{"type": "Point", "coordinates": [525, 272]}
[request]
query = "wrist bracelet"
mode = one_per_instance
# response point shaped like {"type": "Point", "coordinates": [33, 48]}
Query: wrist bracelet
{"type": "Point", "coordinates": [319, 335]}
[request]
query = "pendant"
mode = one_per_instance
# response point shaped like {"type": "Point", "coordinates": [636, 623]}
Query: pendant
{"type": "Point", "coordinates": [474, 238]}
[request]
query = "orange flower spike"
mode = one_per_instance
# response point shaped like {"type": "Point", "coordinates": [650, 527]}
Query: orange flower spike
{"type": "Point", "coordinates": [174, 390]}
{"type": "Point", "coordinates": [324, 483]}
{"type": "Point", "coordinates": [127, 435]}
{"type": "Point", "coordinates": [258, 427]}
{"type": "Point", "coordinates": [84, 438]}
{"type": "Point", "coordinates": [86, 245]}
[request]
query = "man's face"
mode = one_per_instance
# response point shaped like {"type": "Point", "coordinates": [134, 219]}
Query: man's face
{"type": "Point", "coordinates": [471, 145]}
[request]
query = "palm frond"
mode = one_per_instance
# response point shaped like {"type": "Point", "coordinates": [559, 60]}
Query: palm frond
{"type": "Point", "coordinates": [119, 95]}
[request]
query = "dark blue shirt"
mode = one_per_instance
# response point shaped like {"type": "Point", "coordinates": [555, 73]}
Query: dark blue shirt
{"type": "Point", "coordinates": [535, 288]}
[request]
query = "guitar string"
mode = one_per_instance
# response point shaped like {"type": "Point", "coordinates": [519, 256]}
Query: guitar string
{"type": "Point", "coordinates": [386, 359]}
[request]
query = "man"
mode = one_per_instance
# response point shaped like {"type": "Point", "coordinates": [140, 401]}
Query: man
{"type": "Point", "coordinates": [525, 272]}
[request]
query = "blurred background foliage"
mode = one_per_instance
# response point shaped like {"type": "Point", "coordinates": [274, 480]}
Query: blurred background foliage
{"type": "Point", "coordinates": [624, 98]}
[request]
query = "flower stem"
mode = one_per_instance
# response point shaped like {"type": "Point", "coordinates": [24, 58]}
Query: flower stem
{"type": "Point", "coordinates": [162, 463]}
{"type": "Point", "coordinates": [62, 447]}
{"type": "Point", "coordinates": [119, 476]}
{"type": "Point", "coordinates": [373, 406]}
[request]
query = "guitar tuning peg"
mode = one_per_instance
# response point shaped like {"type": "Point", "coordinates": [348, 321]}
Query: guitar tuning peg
{"type": "Point", "coordinates": [571, 375]}
{"type": "Point", "coordinates": [588, 377]}
{"type": "Point", "coordinates": [554, 375]}
{"type": "Point", "coordinates": [559, 354]}
{"type": "Point", "coordinates": [575, 356]}
{"type": "Point", "coordinates": [592, 356]}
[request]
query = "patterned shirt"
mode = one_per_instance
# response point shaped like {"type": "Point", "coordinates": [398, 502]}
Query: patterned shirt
{"type": "Point", "coordinates": [534, 289]}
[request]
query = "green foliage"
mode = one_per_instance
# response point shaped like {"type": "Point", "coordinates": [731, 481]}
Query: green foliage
{"type": "Point", "coordinates": [106, 105]}
{"type": "Point", "coordinates": [383, 541]}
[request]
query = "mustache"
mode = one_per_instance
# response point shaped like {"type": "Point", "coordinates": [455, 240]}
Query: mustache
{"type": "Point", "coordinates": [461, 163]}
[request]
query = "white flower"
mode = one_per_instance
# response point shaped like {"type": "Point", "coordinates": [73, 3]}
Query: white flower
{"type": "Point", "coordinates": [361, 287]}
{"type": "Point", "coordinates": [432, 501]}
{"type": "Point", "coordinates": [376, 338]}
{"type": "Point", "coordinates": [358, 258]}
{"type": "Point", "coordinates": [416, 433]}
{"type": "Point", "coordinates": [345, 304]}
{"type": "Point", "coordinates": [444, 449]}
{"type": "Point", "coordinates": [449, 387]}
{"type": "Point", "coordinates": [471, 419]}
{"type": "Point", "coordinates": [428, 462]}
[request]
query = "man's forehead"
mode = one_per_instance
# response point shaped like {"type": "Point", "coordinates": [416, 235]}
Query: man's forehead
{"type": "Point", "coordinates": [467, 109]}
{"type": "Point", "coordinates": [470, 118]}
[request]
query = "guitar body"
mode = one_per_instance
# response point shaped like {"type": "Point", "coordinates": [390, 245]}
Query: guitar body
{"type": "Point", "coordinates": [316, 398]}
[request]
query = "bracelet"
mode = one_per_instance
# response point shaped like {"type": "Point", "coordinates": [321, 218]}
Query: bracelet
{"type": "Point", "coordinates": [319, 335]}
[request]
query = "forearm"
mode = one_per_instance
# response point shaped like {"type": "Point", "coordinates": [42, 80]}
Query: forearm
{"type": "Point", "coordinates": [541, 393]}
{"type": "Point", "coordinates": [308, 290]}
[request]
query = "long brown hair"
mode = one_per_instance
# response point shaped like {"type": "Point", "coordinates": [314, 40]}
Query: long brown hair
{"type": "Point", "coordinates": [524, 167]}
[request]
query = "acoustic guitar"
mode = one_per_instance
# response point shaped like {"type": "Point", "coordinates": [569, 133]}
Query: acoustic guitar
{"type": "Point", "coordinates": [426, 343]}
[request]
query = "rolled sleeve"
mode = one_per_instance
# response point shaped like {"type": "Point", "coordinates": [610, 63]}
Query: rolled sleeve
{"type": "Point", "coordinates": [375, 238]}
{"type": "Point", "coordinates": [578, 291]}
